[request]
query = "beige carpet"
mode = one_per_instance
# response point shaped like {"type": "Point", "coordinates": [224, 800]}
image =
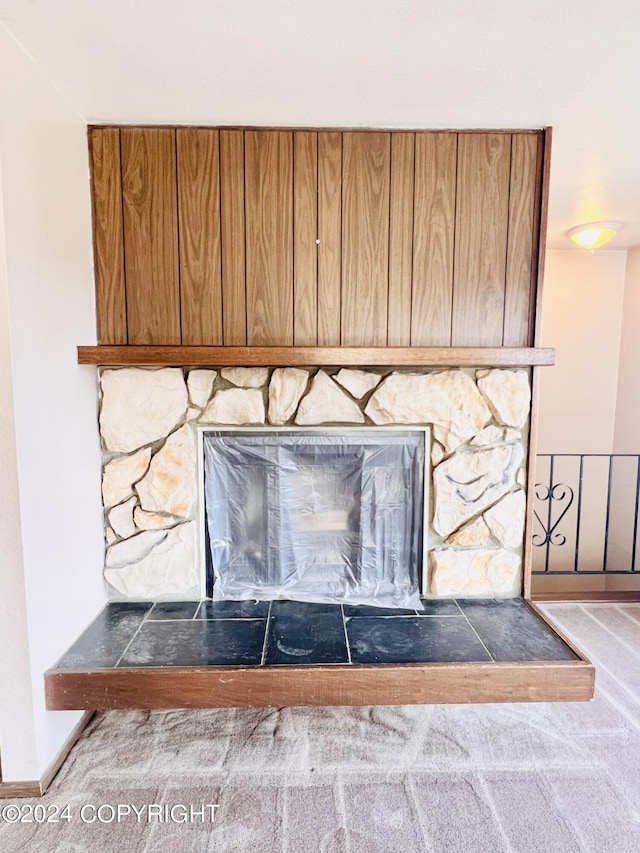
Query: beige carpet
{"type": "Point", "coordinates": [540, 777]}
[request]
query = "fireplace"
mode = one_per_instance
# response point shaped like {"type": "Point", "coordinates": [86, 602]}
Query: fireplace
{"type": "Point", "coordinates": [465, 538]}
{"type": "Point", "coordinates": [332, 515]}
{"type": "Point", "coordinates": [159, 645]}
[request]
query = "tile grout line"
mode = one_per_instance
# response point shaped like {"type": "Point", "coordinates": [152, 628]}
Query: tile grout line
{"type": "Point", "coordinates": [346, 636]}
{"type": "Point", "coordinates": [491, 657]}
{"type": "Point", "coordinates": [266, 636]}
{"type": "Point", "coordinates": [144, 619]}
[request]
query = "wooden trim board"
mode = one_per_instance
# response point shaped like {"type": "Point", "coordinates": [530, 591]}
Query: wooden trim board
{"type": "Point", "coordinates": [318, 356]}
{"type": "Point", "coordinates": [11, 790]}
{"type": "Point", "coordinates": [294, 686]}
{"type": "Point", "coordinates": [571, 597]}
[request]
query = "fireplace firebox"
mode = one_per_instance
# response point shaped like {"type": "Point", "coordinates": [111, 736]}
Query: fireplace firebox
{"type": "Point", "coordinates": [332, 515]}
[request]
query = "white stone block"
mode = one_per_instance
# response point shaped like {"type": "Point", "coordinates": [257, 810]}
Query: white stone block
{"type": "Point", "coordinates": [121, 519]}
{"type": "Point", "coordinates": [200, 384]}
{"type": "Point", "coordinates": [508, 395]}
{"type": "Point", "coordinates": [475, 534]}
{"type": "Point", "coordinates": [134, 549]}
{"type": "Point", "coordinates": [471, 481]}
{"type": "Point", "coordinates": [168, 571]}
{"type": "Point", "coordinates": [287, 386]}
{"type": "Point", "coordinates": [326, 403]}
{"type": "Point", "coordinates": [170, 485]}
{"type": "Point", "coordinates": [140, 406]}
{"type": "Point", "coordinates": [120, 475]}
{"type": "Point", "coordinates": [437, 453]}
{"type": "Point", "coordinates": [357, 382]}
{"type": "Point", "coordinates": [475, 573]}
{"type": "Point", "coordinates": [153, 520]}
{"type": "Point", "coordinates": [235, 406]}
{"type": "Point", "coordinates": [506, 519]}
{"type": "Point", "coordinates": [449, 400]}
{"type": "Point", "coordinates": [489, 435]}
{"type": "Point", "coordinates": [246, 377]}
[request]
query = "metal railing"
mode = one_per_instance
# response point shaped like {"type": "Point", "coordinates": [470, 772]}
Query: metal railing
{"type": "Point", "coordinates": [586, 514]}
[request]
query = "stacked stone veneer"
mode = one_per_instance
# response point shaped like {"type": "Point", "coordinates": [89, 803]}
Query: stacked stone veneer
{"type": "Point", "coordinates": [148, 421]}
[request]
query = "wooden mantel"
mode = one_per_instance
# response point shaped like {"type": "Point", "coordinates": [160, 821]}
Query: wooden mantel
{"type": "Point", "coordinates": [317, 356]}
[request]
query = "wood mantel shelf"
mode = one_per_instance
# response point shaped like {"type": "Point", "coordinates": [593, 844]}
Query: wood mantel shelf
{"type": "Point", "coordinates": [317, 356]}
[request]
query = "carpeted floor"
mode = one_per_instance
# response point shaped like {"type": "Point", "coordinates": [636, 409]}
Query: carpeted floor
{"type": "Point", "coordinates": [535, 777]}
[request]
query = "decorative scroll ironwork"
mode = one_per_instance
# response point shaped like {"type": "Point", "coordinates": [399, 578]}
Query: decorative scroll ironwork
{"type": "Point", "coordinates": [611, 546]}
{"type": "Point", "coordinates": [559, 492]}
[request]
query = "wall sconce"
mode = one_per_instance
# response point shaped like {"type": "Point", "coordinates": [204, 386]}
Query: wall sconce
{"type": "Point", "coordinates": [594, 234]}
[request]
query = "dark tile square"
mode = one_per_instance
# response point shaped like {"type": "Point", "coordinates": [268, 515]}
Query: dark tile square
{"type": "Point", "coordinates": [219, 642]}
{"type": "Point", "coordinates": [248, 609]}
{"type": "Point", "coordinates": [302, 608]}
{"type": "Point", "coordinates": [299, 638]}
{"type": "Point", "coordinates": [357, 610]}
{"type": "Point", "coordinates": [439, 607]}
{"type": "Point", "coordinates": [413, 640]}
{"type": "Point", "coordinates": [513, 632]}
{"type": "Point", "coordinates": [173, 610]}
{"type": "Point", "coordinates": [101, 645]}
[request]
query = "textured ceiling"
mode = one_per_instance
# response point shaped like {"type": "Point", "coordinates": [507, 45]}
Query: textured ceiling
{"type": "Point", "coordinates": [379, 63]}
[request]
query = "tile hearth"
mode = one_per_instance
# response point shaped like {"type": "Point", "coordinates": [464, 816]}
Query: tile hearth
{"type": "Point", "coordinates": [285, 633]}
{"type": "Point", "coordinates": [206, 654]}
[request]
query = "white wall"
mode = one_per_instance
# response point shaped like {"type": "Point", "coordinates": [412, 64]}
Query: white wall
{"type": "Point", "coordinates": [582, 317]}
{"type": "Point", "coordinates": [17, 742]}
{"type": "Point", "coordinates": [45, 192]}
{"type": "Point", "coordinates": [627, 426]}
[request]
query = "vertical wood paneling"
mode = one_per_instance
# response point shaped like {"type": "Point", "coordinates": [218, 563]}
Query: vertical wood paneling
{"type": "Point", "coordinates": [330, 236]}
{"type": "Point", "coordinates": [199, 230]}
{"type": "Point", "coordinates": [151, 235]}
{"type": "Point", "coordinates": [400, 239]}
{"type": "Point", "coordinates": [305, 232]}
{"type": "Point", "coordinates": [433, 238]}
{"type": "Point", "coordinates": [305, 238]}
{"type": "Point", "coordinates": [269, 249]}
{"type": "Point", "coordinates": [108, 240]}
{"type": "Point", "coordinates": [526, 150]}
{"type": "Point", "coordinates": [482, 217]}
{"type": "Point", "coordinates": [366, 167]}
{"type": "Point", "coordinates": [232, 233]}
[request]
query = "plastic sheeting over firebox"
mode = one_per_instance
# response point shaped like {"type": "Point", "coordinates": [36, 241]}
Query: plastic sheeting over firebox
{"type": "Point", "coordinates": [317, 516]}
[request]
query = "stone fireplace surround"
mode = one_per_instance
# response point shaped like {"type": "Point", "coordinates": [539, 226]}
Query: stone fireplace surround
{"type": "Point", "coordinates": [148, 426]}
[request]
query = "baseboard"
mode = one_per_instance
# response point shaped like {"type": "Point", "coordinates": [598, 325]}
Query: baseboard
{"type": "Point", "coordinates": [10, 790]}
{"type": "Point", "coordinates": [614, 595]}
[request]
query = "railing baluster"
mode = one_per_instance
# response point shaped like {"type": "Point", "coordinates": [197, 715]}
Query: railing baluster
{"type": "Point", "coordinates": [635, 520]}
{"type": "Point", "coordinates": [579, 513]}
{"type": "Point", "coordinates": [563, 494]}
{"type": "Point", "coordinates": [607, 518]}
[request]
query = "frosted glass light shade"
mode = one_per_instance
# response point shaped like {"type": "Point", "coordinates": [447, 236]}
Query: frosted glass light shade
{"type": "Point", "coordinates": [594, 234]}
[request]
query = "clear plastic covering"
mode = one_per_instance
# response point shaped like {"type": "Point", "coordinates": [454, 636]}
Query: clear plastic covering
{"type": "Point", "coordinates": [316, 515]}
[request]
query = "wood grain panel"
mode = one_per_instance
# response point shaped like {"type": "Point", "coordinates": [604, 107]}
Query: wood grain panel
{"type": "Point", "coordinates": [482, 217]}
{"type": "Point", "coordinates": [541, 236]}
{"type": "Point", "coordinates": [108, 239]}
{"type": "Point", "coordinates": [305, 232]}
{"type": "Point", "coordinates": [400, 239]}
{"type": "Point", "coordinates": [199, 236]}
{"type": "Point", "coordinates": [330, 236]}
{"type": "Point", "coordinates": [526, 162]}
{"type": "Point", "coordinates": [232, 233]}
{"type": "Point", "coordinates": [151, 235]}
{"type": "Point", "coordinates": [320, 356]}
{"type": "Point", "coordinates": [433, 238]}
{"type": "Point", "coordinates": [269, 248]}
{"type": "Point", "coordinates": [259, 687]}
{"type": "Point", "coordinates": [366, 164]}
